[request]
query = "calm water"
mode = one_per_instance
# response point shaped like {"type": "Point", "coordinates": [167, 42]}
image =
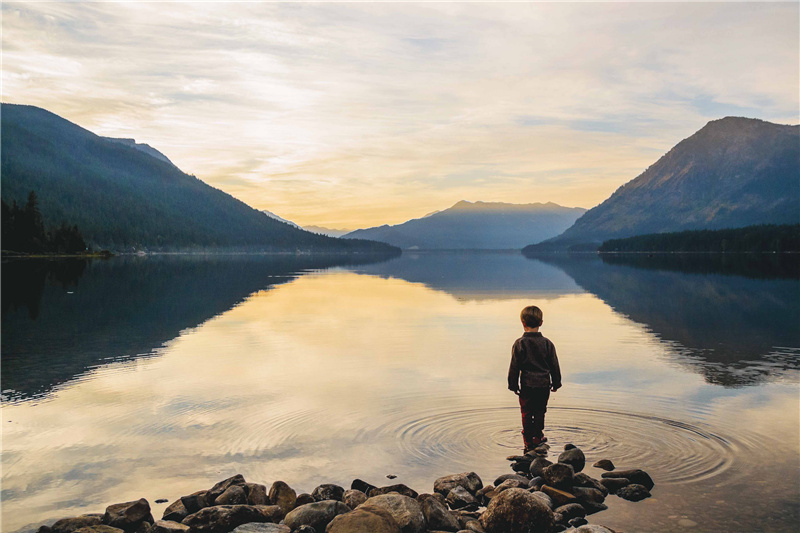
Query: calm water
{"type": "Point", "coordinates": [156, 377]}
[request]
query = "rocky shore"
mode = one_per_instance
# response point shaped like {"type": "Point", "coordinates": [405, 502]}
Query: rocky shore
{"type": "Point", "coordinates": [540, 496]}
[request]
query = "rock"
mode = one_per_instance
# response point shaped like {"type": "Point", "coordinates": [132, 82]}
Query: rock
{"type": "Point", "coordinates": [586, 494]}
{"type": "Point", "coordinates": [593, 528]}
{"type": "Point", "coordinates": [538, 465]}
{"type": "Point", "coordinates": [545, 499]}
{"type": "Point", "coordinates": [175, 512]}
{"type": "Point", "coordinates": [470, 481]}
{"type": "Point", "coordinates": [257, 494]}
{"type": "Point", "coordinates": [633, 492]}
{"type": "Point", "coordinates": [639, 477]}
{"type": "Point", "coordinates": [593, 507]}
{"type": "Point", "coordinates": [521, 467]}
{"type": "Point", "coordinates": [459, 497]}
{"type": "Point", "coordinates": [559, 476]}
{"type": "Point", "coordinates": [474, 526]}
{"type": "Point", "coordinates": [222, 486]}
{"type": "Point", "coordinates": [577, 522]}
{"type": "Point", "coordinates": [512, 484]}
{"type": "Point", "coordinates": [583, 480]}
{"type": "Point", "coordinates": [436, 514]}
{"type": "Point", "coordinates": [541, 450]}
{"type": "Point", "coordinates": [519, 458]}
{"type": "Point", "coordinates": [168, 526]}
{"type": "Point", "coordinates": [605, 464]}
{"type": "Point", "coordinates": [128, 516]}
{"type": "Point", "coordinates": [162, 500]}
{"type": "Point", "coordinates": [485, 494]}
{"type": "Point", "coordinates": [362, 521]}
{"type": "Point", "coordinates": [68, 525]}
{"type": "Point", "coordinates": [361, 485]}
{"type": "Point", "coordinates": [536, 483]}
{"type": "Point", "coordinates": [499, 480]}
{"type": "Point", "coordinates": [223, 518]}
{"type": "Point", "coordinates": [304, 499]}
{"type": "Point", "coordinates": [406, 511]}
{"type": "Point", "coordinates": [568, 447]}
{"type": "Point", "coordinates": [573, 457]}
{"type": "Point", "coordinates": [328, 491]}
{"type": "Point", "coordinates": [571, 510]}
{"type": "Point", "coordinates": [353, 498]}
{"type": "Point", "coordinates": [234, 495]}
{"type": "Point", "coordinates": [559, 497]}
{"type": "Point", "coordinates": [399, 489]}
{"type": "Point", "coordinates": [317, 515]}
{"type": "Point", "coordinates": [516, 511]}
{"type": "Point", "coordinates": [262, 527]}
{"type": "Point", "coordinates": [304, 529]}
{"type": "Point", "coordinates": [391, 476]}
{"type": "Point", "coordinates": [44, 529]}
{"type": "Point", "coordinates": [195, 501]}
{"type": "Point", "coordinates": [102, 528]}
{"type": "Point", "coordinates": [285, 497]}
{"type": "Point", "coordinates": [614, 484]}
{"type": "Point", "coordinates": [558, 518]}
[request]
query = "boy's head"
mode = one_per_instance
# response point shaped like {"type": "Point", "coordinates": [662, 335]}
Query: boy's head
{"type": "Point", "coordinates": [531, 317]}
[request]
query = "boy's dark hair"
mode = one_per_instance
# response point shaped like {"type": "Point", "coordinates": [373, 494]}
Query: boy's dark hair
{"type": "Point", "coordinates": [531, 316]}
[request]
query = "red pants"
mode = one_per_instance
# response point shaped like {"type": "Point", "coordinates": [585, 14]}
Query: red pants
{"type": "Point", "coordinates": [533, 404]}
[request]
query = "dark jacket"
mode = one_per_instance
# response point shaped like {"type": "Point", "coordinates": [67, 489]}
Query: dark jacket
{"type": "Point", "coordinates": [533, 363]}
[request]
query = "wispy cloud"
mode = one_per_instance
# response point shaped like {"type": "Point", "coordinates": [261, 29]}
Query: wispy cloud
{"type": "Point", "coordinates": [360, 114]}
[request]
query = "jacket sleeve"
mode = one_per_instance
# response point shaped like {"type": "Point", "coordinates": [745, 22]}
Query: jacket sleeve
{"type": "Point", "coordinates": [555, 369]}
{"type": "Point", "coordinates": [513, 369]}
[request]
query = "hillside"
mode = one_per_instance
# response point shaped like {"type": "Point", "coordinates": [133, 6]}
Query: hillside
{"type": "Point", "coordinates": [479, 225]}
{"type": "Point", "coordinates": [734, 172]}
{"type": "Point", "coordinates": [124, 196]}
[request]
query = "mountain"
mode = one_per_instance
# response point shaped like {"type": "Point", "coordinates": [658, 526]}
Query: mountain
{"type": "Point", "coordinates": [330, 232]}
{"type": "Point", "coordinates": [281, 219]}
{"type": "Point", "coordinates": [478, 225]}
{"type": "Point", "coordinates": [122, 196]}
{"type": "Point", "coordinates": [734, 172]}
{"type": "Point", "coordinates": [146, 148]}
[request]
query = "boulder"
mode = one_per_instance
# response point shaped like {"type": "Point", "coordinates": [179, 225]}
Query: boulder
{"type": "Point", "coordinates": [614, 484]}
{"type": "Point", "coordinates": [504, 477]}
{"type": "Point", "coordinates": [128, 516]}
{"type": "Point", "coordinates": [175, 512]}
{"type": "Point", "coordinates": [353, 498]}
{"type": "Point", "coordinates": [363, 521]}
{"type": "Point", "coordinates": [68, 525]}
{"type": "Point", "coordinates": [459, 497]}
{"type": "Point", "coordinates": [474, 526]}
{"type": "Point", "coordinates": [284, 496]}
{"type": "Point", "coordinates": [639, 477]}
{"type": "Point", "coordinates": [570, 511]}
{"type": "Point", "coordinates": [102, 528]}
{"type": "Point", "coordinates": [168, 526]}
{"type": "Point", "coordinates": [538, 465]}
{"type": "Point", "coordinates": [363, 486]}
{"type": "Point", "coordinates": [262, 527]}
{"type": "Point", "coordinates": [485, 494]}
{"type": "Point", "coordinates": [317, 515]}
{"type": "Point", "coordinates": [303, 499]}
{"type": "Point", "coordinates": [633, 492]}
{"type": "Point", "coordinates": [559, 476]}
{"type": "Point", "coordinates": [224, 518]}
{"type": "Point", "coordinates": [569, 446]}
{"type": "Point", "coordinates": [605, 464]}
{"type": "Point", "coordinates": [195, 501]}
{"type": "Point", "coordinates": [222, 486]}
{"type": "Point", "coordinates": [257, 494]}
{"type": "Point", "coordinates": [470, 481]}
{"type": "Point", "coordinates": [399, 489]}
{"type": "Point", "coordinates": [573, 457]}
{"type": "Point", "coordinates": [585, 494]}
{"type": "Point", "coordinates": [559, 497]}
{"type": "Point", "coordinates": [233, 495]}
{"type": "Point", "coordinates": [328, 491]}
{"type": "Point", "coordinates": [536, 483]}
{"type": "Point", "coordinates": [512, 484]}
{"type": "Point", "coordinates": [406, 511]}
{"type": "Point", "coordinates": [516, 511]}
{"type": "Point", "coordinates": [436, 514]}
{"type": "Point", "coordinates": [583, 480]}
{"type": "Point", "coordinates": [547, 500]}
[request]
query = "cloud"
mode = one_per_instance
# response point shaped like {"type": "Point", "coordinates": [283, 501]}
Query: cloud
{"type": "Point", "coordinates": [362, 114]}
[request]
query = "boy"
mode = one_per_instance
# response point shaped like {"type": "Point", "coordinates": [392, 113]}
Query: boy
{"type": "Point", "coordinates": [534, 366]}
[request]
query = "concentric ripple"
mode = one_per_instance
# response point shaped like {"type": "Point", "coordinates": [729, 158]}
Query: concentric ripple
{"type": "Point", "coordinates": [674, 451]}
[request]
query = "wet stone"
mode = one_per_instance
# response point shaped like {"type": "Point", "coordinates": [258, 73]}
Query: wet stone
{"type": "Point", "coordinates": [303, 499]}
{"type": "Point", "coordinates": [559, 476]}
{"type": "Point", "coordinates": [399, 489]}
{"type": "Point", "coordinates": [538, 465]}
{"type": "Point", "coordinates": [363, 486]}
{"type": "Point", "coordinates": [638, 477]}
{"type": "Point", "coordinates": [614, 484]}
{"type": "Point", "coordinates": [353, 498]}
{"type": "Point", "coordinates": [633, 492]}
{"type": "Point", "coordinates": [573, 457]}
{"type": "Point", "coordinates": [328, 491]}
{"type": "Point", "coordinates": [604, 464]}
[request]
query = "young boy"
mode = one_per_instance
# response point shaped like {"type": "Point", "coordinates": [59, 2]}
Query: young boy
{"type": "Point", "coordinates": [533, 374]}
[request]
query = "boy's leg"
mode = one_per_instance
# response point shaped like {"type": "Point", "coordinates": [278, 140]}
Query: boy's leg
{"type": "Point", "coordinates": [526, 407]}
{"type": "Point", "coordinates": [538, 407]}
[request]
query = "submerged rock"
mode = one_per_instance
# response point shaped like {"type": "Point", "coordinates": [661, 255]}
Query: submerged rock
{"type": "Point", "coordinates": [639, 477]}
{"type": "Point", "coordinates": [517, 511]}
{"type": "Point", "coordinates": [605, 464]}
{"type": "Point", "coordinates": [633, 492]}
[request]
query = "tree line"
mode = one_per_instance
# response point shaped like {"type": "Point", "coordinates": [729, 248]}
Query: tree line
{"type": "Point", "coordinates": [752, 239]}
{"type": "Point", "coordinates": [23, 230]}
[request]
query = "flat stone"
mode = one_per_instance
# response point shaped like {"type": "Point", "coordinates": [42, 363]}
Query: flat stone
{"type": "Point", "coordinates": [605, 464]}
{"type": "Point", "coordinates": [636, 476]}
{"type": "Point", "coordinates": [559, 497]}
{"type": "Point", "coordinates": [517, 511]}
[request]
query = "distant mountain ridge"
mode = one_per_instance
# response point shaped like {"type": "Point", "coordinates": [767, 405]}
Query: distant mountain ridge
{"type": "Point", "coordinates": [734, 172]}
{"type": "Point", "coordinates": [478, 225]}
{"type": "Point", "coordinates": [122, 197]}
{"type": "Point", "coordinates": [142, 147]}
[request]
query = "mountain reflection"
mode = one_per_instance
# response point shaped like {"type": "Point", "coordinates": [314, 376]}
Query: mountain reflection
{"type": "Point", "coordinates": [63, 317]}
{"type": "Point", "coordinates": [736, 320]}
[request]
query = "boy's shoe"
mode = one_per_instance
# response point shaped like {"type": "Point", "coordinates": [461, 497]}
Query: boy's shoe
{"type": "Point", "coordinates": [538, 440]}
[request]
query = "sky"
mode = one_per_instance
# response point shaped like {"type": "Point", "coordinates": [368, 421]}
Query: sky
{"type": "Point", "coordinates": [351, 115]}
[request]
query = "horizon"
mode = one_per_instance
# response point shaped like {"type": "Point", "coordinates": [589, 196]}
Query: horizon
{"type": "Point", "coordinates": [359, 115]}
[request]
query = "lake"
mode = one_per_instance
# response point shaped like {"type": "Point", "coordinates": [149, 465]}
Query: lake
{"type": "Point", "coordinates": [158, 376]}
